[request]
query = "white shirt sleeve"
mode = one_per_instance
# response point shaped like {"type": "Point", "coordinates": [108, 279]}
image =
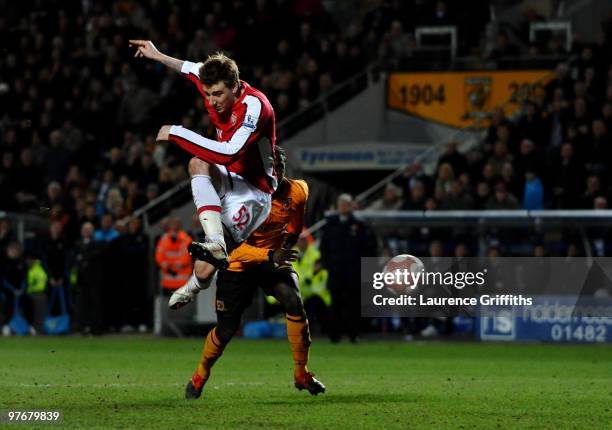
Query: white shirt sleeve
{"type": "Point", "coordinates": [190, 68]}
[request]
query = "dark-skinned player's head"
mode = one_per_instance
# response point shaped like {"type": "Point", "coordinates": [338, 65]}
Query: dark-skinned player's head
{"type": "Point", "coordinates": [220, 79]}
{"type": "Point", "coordinates": [280, 160]}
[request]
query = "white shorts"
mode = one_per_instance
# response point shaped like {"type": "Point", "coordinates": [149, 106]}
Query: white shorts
{"type": "Point", "coordinates": [244, 207]}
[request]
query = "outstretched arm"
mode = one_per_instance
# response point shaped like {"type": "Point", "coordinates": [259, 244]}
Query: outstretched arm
{"type": "Point", "coordinates": [219, 152]}
{"type": "Point", "coordinates": [246, 253]}
{"type": "Point", "coordinates": [146, 49]}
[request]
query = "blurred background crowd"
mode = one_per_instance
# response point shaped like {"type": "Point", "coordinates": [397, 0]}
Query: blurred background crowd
{"type": "Point", "coordinates": [79, 115]}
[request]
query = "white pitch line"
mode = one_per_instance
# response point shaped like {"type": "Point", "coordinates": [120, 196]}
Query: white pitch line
{"type": "Point", "coordinates": [121, 385]}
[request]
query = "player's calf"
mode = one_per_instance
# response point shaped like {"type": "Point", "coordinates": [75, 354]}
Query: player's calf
{"type": "Point", "coordinates": [200, 280]}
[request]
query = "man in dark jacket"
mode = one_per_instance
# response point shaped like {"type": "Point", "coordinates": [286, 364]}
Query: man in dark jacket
{"type": "Point", "coordinates": [132, 285]}
{"type": "Point", "coordinates": [87, 258]}
{"type": "Point", "coordinates": [345, 240]}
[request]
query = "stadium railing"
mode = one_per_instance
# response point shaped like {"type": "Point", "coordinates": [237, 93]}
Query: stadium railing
{"type": "Point", "coordinates": [552, 26]}
{"type": "Point", "coordinates": [446, 30]}
{"type": "Point", "coordinates": [484, 225]}
{"type": "Point", "coordinates": [27, 226]}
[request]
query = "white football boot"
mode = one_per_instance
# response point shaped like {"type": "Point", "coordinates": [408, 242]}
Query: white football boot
{"type": "Point", "coordinates": [182, 296]}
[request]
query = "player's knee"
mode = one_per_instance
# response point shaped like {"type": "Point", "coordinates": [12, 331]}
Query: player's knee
{"type": "Point", "coordinates": [198, 167]}
{"type": "Point", "coordinates": [296, 310]}
{"type": "Point", "coordinates": [225, 331]}
{"type": "Point", "coordinates": [203, 270]}
{"type": "Point", "coordinates": [292, 302]}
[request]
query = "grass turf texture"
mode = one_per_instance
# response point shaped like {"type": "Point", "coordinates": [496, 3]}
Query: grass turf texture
{"type": "Point", "coordinates": [119, 382]}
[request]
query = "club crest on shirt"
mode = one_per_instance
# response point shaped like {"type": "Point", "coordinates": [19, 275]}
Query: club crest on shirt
{"type": "Point", "coordinates": [233, 119]}
{"type": "Point", "coordinates": [250, 122]}
{"type": "Point", "coordinates": [287, 203]}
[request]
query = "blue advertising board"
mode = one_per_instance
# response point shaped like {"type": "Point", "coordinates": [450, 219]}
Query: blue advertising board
{"type": "Point", "coordinates": [549, 319]}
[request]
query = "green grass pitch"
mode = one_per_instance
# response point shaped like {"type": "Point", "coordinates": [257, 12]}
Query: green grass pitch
{"type": "Point", "coordinates": [138, 382]}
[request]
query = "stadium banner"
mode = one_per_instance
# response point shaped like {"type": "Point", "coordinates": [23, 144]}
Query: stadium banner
{"type": "Point", "coordinates": [549, 319]}
{"type": "Point", "coordinates": [461, 99]}
{"type": "Point", "coordinates": [410, 286]}
{"type": "Point", "coordinates": [357, 156]}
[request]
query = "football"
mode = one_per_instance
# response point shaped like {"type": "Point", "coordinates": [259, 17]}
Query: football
{"type": "Point", "coordinates": [404, 266]}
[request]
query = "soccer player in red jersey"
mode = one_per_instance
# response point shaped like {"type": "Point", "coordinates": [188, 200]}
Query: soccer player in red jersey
{"type": "Point", "coordinates": [232, 179]}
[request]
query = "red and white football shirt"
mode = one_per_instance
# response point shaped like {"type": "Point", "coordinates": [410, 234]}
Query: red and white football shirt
{"type": "Point", "coordinates": [246, 135]}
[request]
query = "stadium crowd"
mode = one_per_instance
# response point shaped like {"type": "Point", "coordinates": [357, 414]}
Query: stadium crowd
{"type": "Point", "coordinates": [77, 125]}
{"type": "Point", "coordinates": [552, 155]}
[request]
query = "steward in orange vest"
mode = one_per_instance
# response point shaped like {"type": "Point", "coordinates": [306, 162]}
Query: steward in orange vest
{"type": "Point", "coordinates": [173, 258]}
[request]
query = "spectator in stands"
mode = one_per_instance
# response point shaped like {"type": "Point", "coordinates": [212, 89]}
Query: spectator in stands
{"type": "Point", "coordinates": [114, 203]}
{"type": "Point", "coordinates": [445, 177]}
{"type": "Point", "coordinates": [514, 184]}
{"type": "Point", "coordinates": [533, 195]}
{"type": "Point", "coordinates": [453, 157]}
{"type": "Point", "coordinates": [106, 232]}
{"type": "Point", "coordinates": [500, 156]}
{"type": "Point", "coordinates": [152, 192]}
{"type": "Point", "coordinates": [483, 194]}
{"type": "Point", "coordinates": [457, 198]}
{"type": "Point", "coordinates": [416, 197]}
{"type": "Point", "coordinates": [90, 215]}
{"type": "Point", "coordinates": [528, 158]}
{"type": "Point", "coordinates": [396, 45]}
{"type": "Point", "coordinates": [414, 173]}
{"type": "Point", "coordinates": [567, 179]}
{"type": "Point", "coordinates": [134, 199]}
{"type": "Point", "coordinates": [498, 119]}
{"type": "Point", "coordinates": [600, 149]}
{"type": "Point", "coordinates": [593, 190]}
{"type": "Point", "coordinates": [54, 194]}
{"type": "Point", "coordinates": [531, 125]}
{"type": "Point", "coordinates": [390, 201]}
{"type": "Point", "coordinates": [501, 199]}
{"type": "Point", "coordinates": [57, 156]}
{"type": "Point", "coordinates": [600, 203]}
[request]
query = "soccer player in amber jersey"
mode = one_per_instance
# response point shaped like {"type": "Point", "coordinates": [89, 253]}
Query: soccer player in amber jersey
{"type": "Point", "coordinates": [264, 261]}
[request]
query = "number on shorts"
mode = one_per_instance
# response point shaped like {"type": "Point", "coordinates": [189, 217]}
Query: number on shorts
{"type": "Point", "coordinates": [242, 218]}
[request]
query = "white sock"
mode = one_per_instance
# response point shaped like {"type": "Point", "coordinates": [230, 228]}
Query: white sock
{"type": "Point", "coordinates": [194, 285]}
{"type": "Point", "coordinates": [208, 205]}
{"type": "Point", "coordinates": [211, 223]}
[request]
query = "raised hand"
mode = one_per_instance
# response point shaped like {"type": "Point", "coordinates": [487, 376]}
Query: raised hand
{"type": "Point", "coordinates": [145, 48]}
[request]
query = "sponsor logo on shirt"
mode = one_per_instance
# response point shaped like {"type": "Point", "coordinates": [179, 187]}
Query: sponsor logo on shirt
{"type": "Point", "coordinates": [250, 122]}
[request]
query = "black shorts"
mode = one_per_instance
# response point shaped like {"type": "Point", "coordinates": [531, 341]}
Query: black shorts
{"type": "Point", "coordinates": [235, 290]}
